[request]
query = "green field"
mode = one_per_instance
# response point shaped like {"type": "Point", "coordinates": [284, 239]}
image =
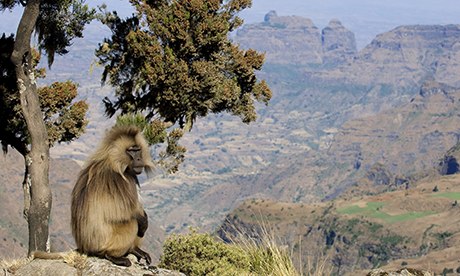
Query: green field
{"type": "Point", "coordinates": [372, 210]}
{"type": "Point", "coordinates": [451, 195]}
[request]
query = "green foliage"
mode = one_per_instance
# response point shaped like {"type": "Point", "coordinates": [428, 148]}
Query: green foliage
{"type": "Point", "coordinates": [392, 240]}
{"type": "Point", "coordinates": [442, 239]}
{"type": "Point", "coordinates": [156, 132]}
{"type": "Point", "coordinates": [59, 22]}
{"type": "Point", "coordinates": [64, 117]}
{"type": "Point", "coordinates": [12, 127]}
{"type": "Point", "coordinates": [382, 252]}
{"type": "Point", "coordinates": [173, 61]}
{"type": "Point", "coordinates": [201, 254]}
{"type": "Point", "coordinates": [64, 120]}
{"type": "Point", "coordinates": [8, 4]}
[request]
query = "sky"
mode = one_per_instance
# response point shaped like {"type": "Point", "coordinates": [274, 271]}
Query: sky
{"type": "Point", "coordinates": [366, 18]}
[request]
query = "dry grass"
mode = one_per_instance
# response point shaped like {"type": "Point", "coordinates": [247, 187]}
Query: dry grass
{"type": "Point", "coordinates": [268, 257]}
{"type": "Point", "coordinates": [71, 258]}
{"type": "Point", "coordinates": [14, 264]}
{"type": "Point", "coordinates": [319, 267]}
{"type": "Point", "coordinates": [75, 259]}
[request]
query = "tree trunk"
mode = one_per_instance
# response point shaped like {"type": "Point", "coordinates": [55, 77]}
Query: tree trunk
{"type": "Point", "coordinates": [40, 194]}
{"type": "Point", "coordinates": [26, 184]}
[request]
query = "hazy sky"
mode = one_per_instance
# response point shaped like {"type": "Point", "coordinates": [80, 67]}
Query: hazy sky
{"type": "Point", "coordinates": [366, 18]}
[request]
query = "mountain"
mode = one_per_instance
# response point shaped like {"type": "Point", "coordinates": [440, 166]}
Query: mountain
{"type": "Point", "coordinates": [296, 40]}
{"type": "Point", "coordinates": [414, 228]}
{"type": "Point", "coordinates": [380, 117]}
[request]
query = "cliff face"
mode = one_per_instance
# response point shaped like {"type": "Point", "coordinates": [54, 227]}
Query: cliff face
{"type": "Point", "coordinates": [408, 54]}
{"type": "Point", "coordinates": [296, 40]}
{"type": "Point", "coordinates": [402, 228]}
{"type": "Point", "coordinates": [338, 43]}
{"type": "Point", "coordinates": [401, 57]}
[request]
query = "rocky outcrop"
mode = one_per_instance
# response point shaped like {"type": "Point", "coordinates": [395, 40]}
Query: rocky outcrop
{"type": "Point", "coordinates": [338, 43]}
{"type": "Point", "coordinates": [379, 175]}
{"type": "Point", "coordinates": [296, 40]}
{"type": "Point", "coordinates": [450, 162]}
{"type": "Point", "coordinates": [408, 55]}
{"type": "Point", "coordinates": [400, 272]}
{"type": "Point", "coordinates": [82, 266]}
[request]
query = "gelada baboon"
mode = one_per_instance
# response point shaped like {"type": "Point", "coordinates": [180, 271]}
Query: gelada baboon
{"type": "Point", "coordinates": [107, 218]}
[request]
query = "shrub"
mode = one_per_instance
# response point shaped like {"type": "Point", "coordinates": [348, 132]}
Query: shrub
{"type": "Point", "coordinates": [201, 254]}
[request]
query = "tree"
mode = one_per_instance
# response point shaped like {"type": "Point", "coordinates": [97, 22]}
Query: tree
{"type": "Point", "coordinates": [173, 61]}
{"type": "Point", "coordinates": [33, 119]}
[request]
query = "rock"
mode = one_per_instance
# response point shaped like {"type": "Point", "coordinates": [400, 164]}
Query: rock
{"type": "Point", "coordinates": [47, 267]}
{"type": "Point", "coordinates": [401, 272]}
{"type": "Point", "coordinates": [296, 40]}
{"type": "Point", "coordinates": [409, 54]}
{"type": "Point", "coordinates": [284, 39]}
{"type": "Point", "coordinates": [269, 16]}
{"type": "Point", "coordinates": [87, 266]}
{"type": "Point", "coordinates": [338, 43]}
{"type": "Point", "coordinates": [449, 164]}
{"type": "Point", "coordinates": [432, 87]}
{"type": "Point", "coordinates": [379, 175]}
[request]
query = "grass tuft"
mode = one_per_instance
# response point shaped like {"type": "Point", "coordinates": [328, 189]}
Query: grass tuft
{"type": "Point", "coordinates": [75, 259]}
{"type": "Point", "coordinates": [13, 265]}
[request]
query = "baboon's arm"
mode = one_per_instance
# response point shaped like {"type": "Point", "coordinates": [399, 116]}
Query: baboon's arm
{"type": "Point", "coordinates": [142, 224]}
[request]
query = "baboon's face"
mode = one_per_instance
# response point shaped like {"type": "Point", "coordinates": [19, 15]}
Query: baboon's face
{"type": "Point", "coordinates": [137, 165]}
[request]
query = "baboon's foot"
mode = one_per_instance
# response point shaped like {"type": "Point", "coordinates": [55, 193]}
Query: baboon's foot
{"type": "Point", "coordinates": [141, 254]}
{"type": "Point", "coordinates": [121, 261]}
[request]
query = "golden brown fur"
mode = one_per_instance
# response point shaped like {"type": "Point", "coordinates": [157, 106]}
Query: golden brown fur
{"type": "Point", "coordinates": [105, 208]}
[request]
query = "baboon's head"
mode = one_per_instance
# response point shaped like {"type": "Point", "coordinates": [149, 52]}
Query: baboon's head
{"type": "Point", "coordinates": [126, 151]}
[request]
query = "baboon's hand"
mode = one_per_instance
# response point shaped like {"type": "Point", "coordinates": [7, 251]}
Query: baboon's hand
{"type": "Point", "coordinates": [142, 225]}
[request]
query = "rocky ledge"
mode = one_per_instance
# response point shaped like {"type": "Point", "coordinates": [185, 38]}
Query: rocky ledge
{"type": "Point", "coordinates": [80, 265]}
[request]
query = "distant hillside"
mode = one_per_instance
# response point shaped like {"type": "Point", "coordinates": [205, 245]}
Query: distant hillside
{"type": "Point", "coordinates": [379, 153]}
{"type": "Point", "coordinates": [387, 150]}
{"type": "Point", "coordinates": [416, 228]}
{"type": "Point", "coordinates": [381, 118]}
{"type": "Point", "coordinates": [13, 226]}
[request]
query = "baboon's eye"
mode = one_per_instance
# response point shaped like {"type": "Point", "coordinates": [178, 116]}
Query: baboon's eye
{"type": "Point", "coordinates": [134, 152]}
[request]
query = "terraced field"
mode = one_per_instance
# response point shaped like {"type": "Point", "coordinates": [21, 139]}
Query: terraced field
{"type": "Point", "coordinates": [374, 210]}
